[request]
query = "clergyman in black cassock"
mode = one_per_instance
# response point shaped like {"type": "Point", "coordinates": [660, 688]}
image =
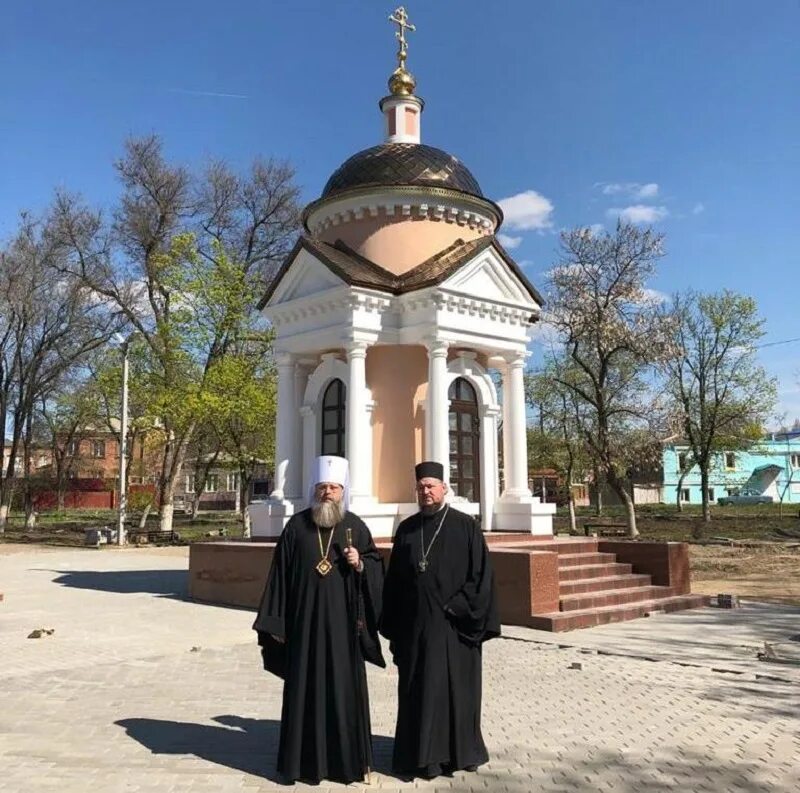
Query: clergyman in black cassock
{"type": "Point", "coordinates": [438, 609]}
{"type": "Point", "coordinates": [316, 625]}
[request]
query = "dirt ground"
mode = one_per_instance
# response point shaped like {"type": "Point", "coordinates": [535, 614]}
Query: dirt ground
{"type": "Point", "coordinates": [769, 572]}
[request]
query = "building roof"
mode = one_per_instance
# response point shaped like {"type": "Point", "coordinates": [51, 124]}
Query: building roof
{"type": "Point", "coordinates": [356, 270]}
{"type": "Point", "coordinates": [395, 164]}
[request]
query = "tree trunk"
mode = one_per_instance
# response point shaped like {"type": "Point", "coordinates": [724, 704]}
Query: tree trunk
{"type": "Point", "coordinates": [619, 488]}
{"type": "Point", "coordinates": [598, 492]}
{"type": "Point", "coordinates": [195, 503]}
{"type": "Point", "coordinates": [704, 494]}
{"type": "Point", "coordinates": [678, 502]}
{"type": "Point", "coordinates": [3, 517]}
{"type": "Point", "coordinates": [573, 526]}
{"type": "Point", "coordinates": [30, 514]}
{"type": "Point", "coordinates": [145, 513]}
{"type": "Point", "coordinates": [170, 477]}
{"type": "Point", "coordinates": [61, 499]}
{"type": "Point", "coordinates": [165, 513]}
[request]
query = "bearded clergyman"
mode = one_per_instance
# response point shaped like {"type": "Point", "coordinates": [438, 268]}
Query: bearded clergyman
{"type": "Point", "coordinates": [317, 625]}
{"type": "Point", "coordinates": [438, 609]}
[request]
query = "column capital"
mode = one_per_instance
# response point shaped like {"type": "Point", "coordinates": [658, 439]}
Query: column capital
{"type": "Point", "coordinates": [436, 347]}
{"type": "Point", "coordinates": [355, 348]}
{"type": "Point", "coordinates": [515, 359]}
{"type": "Point", "coordinates": [284, 358]}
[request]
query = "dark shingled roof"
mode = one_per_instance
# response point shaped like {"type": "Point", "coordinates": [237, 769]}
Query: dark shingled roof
{"type": "Point", "coordinates": [402, 164]}
{"type": "Point", "coordinates": [356, 270]}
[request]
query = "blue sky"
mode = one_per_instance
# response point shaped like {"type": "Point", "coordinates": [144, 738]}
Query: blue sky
{"type": "Point", "coordinates": [684, 112]}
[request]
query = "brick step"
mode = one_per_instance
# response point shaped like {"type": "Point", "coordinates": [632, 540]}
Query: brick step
{"type": "Point", "coordinates": [594, 571]}
{"type": "Point", "coordinates": [604, 582]}
{"type": "Point", "coordinates": [503, 537]}
{"type": "Point", "coordinates": [613, 597]}
{"type": "Point", "coordinates": [569, 546]}
{"type": "Point", "coordinates": [579, 559]}
{"type": "Point", "coordinates": [571, 620]}
{"type": "Point", "coordinates": [559, 545]}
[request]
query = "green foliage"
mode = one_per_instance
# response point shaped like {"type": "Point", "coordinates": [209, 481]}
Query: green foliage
{"type": "Point", "coordinates": [721, 396]}
{"type": "Point", "coordinates": [139, 500]}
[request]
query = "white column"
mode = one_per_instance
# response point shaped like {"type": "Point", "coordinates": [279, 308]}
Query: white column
{"type": "Point", "coordinates": [488, 442]}
{"type": "Point", "coordinates": [293, 487]}
{"type": "Point", "coordinates": [357, 421]}
{"type": "Point", "coordinates": [437, 447]}
{"type": "Point", "coordinates": [515, 428]}
{"type": "Point", "coordinates": [309, 422]}
{"type": "Point", "coordinates": [506, 431]}
{"type": "Point", "coordinates": [286, 431]}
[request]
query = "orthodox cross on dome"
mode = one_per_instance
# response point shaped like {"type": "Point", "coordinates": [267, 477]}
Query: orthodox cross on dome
{"type": "Point", "coordinates": [402, 108]}
{"type": "Point", "coordinates": [400, 18]}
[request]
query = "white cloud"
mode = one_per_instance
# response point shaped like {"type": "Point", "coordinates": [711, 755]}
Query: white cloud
{"type": "Point", "coordinates": [639, 213]}
{"type": "Point", "coordinates": [597, 228]}
{"type": "Point", "coordinates": [698, 208]}
{"type": "Point", "coordinates": [633, 189]}
{"type": "Point", "coordinates": [508, 241]}
{"type": "Point", "coordinates": [527, 211]}
{"type": "Point", "coordinates": [655, 297]}
{"type": "Point", "coordinates": [649, 190]}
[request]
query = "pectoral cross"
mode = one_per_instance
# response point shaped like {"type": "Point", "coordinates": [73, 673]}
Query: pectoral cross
{"type": "Point", "coordinates": [400, 18]}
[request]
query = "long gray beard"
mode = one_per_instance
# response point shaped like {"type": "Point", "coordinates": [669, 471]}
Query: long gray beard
{"type": "Point", "coordinates": [327, 514]}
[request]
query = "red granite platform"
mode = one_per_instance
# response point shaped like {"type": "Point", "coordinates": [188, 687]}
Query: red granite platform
{"type": "Point", "coordinates": [554, 584]}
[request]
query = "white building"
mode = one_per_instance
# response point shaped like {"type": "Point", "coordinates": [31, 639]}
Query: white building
{"type": "Point", "coordinates": [391, 315]}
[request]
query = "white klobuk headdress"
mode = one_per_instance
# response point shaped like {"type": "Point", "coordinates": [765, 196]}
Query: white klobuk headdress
{"type": "Point", "coordinates": [331, 468]}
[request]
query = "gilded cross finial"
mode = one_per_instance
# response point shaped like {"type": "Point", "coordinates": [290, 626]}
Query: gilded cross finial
{"type": "Point", "coordinates": [400, 18]}
{"type": "Point", "coordinates": [402, 82]}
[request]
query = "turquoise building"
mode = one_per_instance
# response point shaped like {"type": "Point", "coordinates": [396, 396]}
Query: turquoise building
{"type": "Point", "coordinates": [771, 467]}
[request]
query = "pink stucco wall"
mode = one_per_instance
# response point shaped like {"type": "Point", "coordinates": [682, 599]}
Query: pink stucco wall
{"type": "Point", "coordinates": [397, 377]}
{"type": "Point", "coordinates": [398, 243]}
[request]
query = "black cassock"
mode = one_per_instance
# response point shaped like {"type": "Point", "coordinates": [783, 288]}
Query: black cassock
{"type": "Point", "coordinates": [436, 622]}
{"type": "Point", "coordinates": [329, 624]}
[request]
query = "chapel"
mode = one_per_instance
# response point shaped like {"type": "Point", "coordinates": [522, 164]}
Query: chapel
{"type": "Point", "coordinates": [401, 334]}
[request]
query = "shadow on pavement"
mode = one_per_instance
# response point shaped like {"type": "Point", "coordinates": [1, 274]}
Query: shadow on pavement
{"type": "Point", "coordinates": [164, 583]}
{"type": "Point", "coordinates": [244, 744]}
{"type": "Point", "coordinates": [588, 769]}
{"type": "Point", "coordinates": [248, 745]}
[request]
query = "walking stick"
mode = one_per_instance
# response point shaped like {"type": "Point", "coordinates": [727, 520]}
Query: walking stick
{"type": "Point", "coordinates": [365, 739]}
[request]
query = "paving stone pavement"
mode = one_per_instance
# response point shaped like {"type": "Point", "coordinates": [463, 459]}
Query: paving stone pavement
{"type": "Point", "coordinates": [138, 690]}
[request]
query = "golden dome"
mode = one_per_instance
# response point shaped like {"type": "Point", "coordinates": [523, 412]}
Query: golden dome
{"type": "Point", "coordinates": [402, 82]}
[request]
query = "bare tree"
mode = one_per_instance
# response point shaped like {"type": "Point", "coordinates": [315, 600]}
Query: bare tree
{"type": "Point", "coordinates": [722, 396]}
{"type": "Point", "coordinates": [54, 324]}
{"type": "Point", "coordinates": [613, 334]}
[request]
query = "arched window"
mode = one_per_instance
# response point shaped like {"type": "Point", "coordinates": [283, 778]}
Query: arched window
{"type": "Point", "coordinates": [464, 440]}
{"type": "Point", "coordinates": [333, 419]}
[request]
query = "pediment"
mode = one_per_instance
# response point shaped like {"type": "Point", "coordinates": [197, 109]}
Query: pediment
{"type": "Point", "coordinates": [489, 277]}
{"type": "Point", "coordinates": [304, 277]}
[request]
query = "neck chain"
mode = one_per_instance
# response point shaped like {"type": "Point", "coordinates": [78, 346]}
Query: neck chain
{"type": "Point", "coordinates": [422, 565]}
{"type": "Point", "coordinates": [324, 566]}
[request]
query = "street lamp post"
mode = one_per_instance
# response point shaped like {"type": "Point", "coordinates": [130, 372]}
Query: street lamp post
{"type": "Point", "coordinates": [123, 448]}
